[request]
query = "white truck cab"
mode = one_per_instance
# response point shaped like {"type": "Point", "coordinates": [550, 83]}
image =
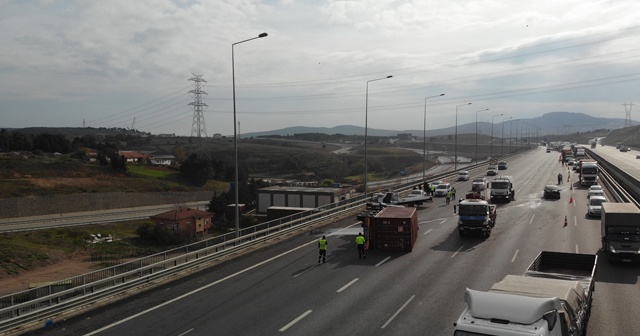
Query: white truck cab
{"type": "Point", "coordinates": [500, 314]}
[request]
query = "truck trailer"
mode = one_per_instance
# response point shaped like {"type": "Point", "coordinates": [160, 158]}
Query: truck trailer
{"type": "Point", "coordinates": [552, 298]}
{"type": "Point", "coordinates": [391, 229]}
{"type": "Point", "coordinates": [620, 230]}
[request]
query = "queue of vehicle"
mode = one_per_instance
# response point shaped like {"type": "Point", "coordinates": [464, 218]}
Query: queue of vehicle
{"type": "Point", "coordinates": [554, 295]}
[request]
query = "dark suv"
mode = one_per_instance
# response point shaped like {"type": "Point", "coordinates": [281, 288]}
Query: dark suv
{"type": "Point", "coordinates": [551, 191]}
{"type": "Point", "coordinates": [502, 165]}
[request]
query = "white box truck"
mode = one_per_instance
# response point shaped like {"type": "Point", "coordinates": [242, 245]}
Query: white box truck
{"type": "Point", "coordinates": [620, 228]}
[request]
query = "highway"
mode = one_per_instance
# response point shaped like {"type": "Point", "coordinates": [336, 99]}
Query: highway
{"type": "Point", "coordinates": [281, 290]}
{"type": "Point", "coordinates": [89, 217]}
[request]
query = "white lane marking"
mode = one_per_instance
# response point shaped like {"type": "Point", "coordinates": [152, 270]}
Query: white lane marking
{"type": "Point", "coordinates": [383, 261]}
{"type": "Point", "coordinates": [347, 285]}
{"type": "Point", "coordinates": [514, 256]}
{"type": "Point", "coordinates": [186, 332]}
{"type": "Point", "coordinates": [426, 233]}
{"type": "Point", "coordinates": [460, 249]}
{"type": "Point", "coordinates": [398, 312]}
{"type": "Point", "coordinates": [577, 251]}
{"type": "Point", "coordinates": [296, 320]}
{"type": "Point", "coordinates": [575, 221]}
{"type": "Point", "coordinates": [430, 220]}
{"type": "Point", "coordinates": [444, 220]}
{"type": "Point", "coordinates": [532, 217]}
{"type": "Point", "coordinates": [527, 181]}
{"type": "Point", "coordinates": [207, 286]}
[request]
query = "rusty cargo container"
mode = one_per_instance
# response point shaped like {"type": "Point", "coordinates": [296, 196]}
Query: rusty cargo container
{"type": "Point", "coordinates": [394, 229]}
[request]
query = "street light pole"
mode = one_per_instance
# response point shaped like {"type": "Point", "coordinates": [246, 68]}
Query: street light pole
{"type": "Point", "coordinates": [424, 137]}
{"type": "Point", "coordinates": [510, 139]}
{"type": "Point", "coordinates": [476, 160]}
{"type": "Point", "coordinates": [366, 117]}
{"type": "Point", "coordinates": [455, 150]}
{"type": "Point", "coordinates": [491, 141]}
{"type": "Point", "coordinates": [502, 136]}
{"type": "Point", "coordinates": [235, 132]}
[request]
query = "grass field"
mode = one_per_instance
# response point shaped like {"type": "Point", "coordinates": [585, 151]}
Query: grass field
{"type": "Point", "coordinates": [24, 251]}
{"type": "Point", "coordinates": [152, 171]}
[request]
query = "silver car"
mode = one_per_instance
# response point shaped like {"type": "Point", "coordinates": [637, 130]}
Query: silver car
{"type": "Point", "coordinates": [595, 205]}
{"type": "Point", "coordinates": [478, 184]}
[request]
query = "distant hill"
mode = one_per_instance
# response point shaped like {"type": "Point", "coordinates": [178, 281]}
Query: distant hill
{"type": "Point", "coordinates": [552, 123]}
{"type": "Point", "coordinates": [549, 123]}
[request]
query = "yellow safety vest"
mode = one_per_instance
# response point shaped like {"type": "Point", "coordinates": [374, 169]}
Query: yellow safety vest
{"type": "Point", "coordinates": [360, 240]}
{"type": "Point", "coordinates": [322, 244]}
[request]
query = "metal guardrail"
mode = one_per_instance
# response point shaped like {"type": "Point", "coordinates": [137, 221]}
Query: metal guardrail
{"type": "Point", "coordinates": [624, 187]}
{"type": "Point", "coordinates": [38, 304]}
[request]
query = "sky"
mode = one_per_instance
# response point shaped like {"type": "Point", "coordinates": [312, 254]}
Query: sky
{"type": "Point", "coordinates": [127, 64]}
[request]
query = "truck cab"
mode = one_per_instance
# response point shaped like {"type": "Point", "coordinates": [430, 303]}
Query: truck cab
{"type": "Point", "coordinates": [587, 172]}
{"type": "Point", "coordinates": [502, 188]}
{"type": "Point", "coordinates": [476, 215]}
{"type": "Point", "coordinates": [552, 298]}
{"type": "Point", "coordinates": [620, 228]}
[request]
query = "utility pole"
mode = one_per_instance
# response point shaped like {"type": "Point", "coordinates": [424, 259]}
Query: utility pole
{"type": "Point", "coordinates": [198, 128]}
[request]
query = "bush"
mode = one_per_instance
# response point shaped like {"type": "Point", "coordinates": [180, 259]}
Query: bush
{"type": "Point", "coordinates": [158, 234]}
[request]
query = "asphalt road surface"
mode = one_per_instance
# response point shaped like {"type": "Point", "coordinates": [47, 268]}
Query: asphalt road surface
{"type": "Point", "coordinates": [281, 290]}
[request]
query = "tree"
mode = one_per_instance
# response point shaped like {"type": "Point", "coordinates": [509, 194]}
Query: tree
{"type": "Point", "coordinates": [196, 170]}
{"type": "Point", "coordinates": [118, 162]}
{"type": "Point", "coordinates": [180, 153]}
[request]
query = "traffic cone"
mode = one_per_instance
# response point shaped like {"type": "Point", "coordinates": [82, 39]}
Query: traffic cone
{"type": "Point", "coordinates": [565, 221]}
{"type": "Point", "coordinates": [571, 199]}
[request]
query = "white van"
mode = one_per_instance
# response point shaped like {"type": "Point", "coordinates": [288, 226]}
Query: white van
{"type": "Point", "coordinates": [463, 175]}
{"type": "Point", "coordinates": [442, 189]}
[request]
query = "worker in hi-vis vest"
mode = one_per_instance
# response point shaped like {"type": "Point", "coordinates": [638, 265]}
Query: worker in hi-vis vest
{"type": "Point", "coordinates": [322, 248]}
{"type": "Point", "coordinates": [360, 243]}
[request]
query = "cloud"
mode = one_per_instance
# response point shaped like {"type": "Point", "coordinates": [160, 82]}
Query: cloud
{"type": "Point", "coordinates": [110, 61]}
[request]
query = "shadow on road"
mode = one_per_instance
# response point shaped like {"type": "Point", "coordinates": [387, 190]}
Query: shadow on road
{"type": "Point", "coordinates": [621, 273]}
{"type": "Point", "coordinates": [453, 242]}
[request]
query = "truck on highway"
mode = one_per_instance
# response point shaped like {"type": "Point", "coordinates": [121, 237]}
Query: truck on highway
{"type": "Point", "coordinates": [566, 152]}
{"type": "Point", "coordinates": [391, 228]}
{"type": "Point", "coordinates": [476, 215]}
{"type": "Point", "coordinates": [620, 231]}
{"type": "Point", "coordinates": [552, 298]}
{"type": "Point", "coordinates": [588, 172]}
{"type": "Point", "coordinates": [593, 142]}
{"type": "Point", "coordinates": [502, 188]}
{"type": "Point", "coordinates": [580, 153]}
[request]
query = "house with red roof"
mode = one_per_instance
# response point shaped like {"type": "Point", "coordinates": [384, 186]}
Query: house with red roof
{"type": "Point", "coordinates": [191, 223]}
{"type": "Point", "coordinates": [134, 156]}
